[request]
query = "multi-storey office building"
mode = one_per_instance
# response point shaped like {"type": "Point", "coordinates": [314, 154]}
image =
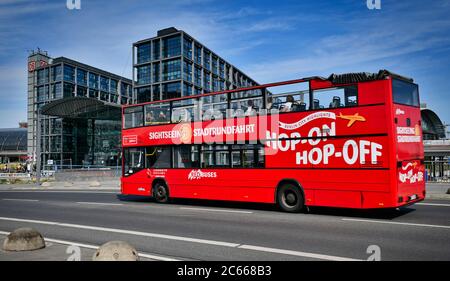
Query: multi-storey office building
{"type": "Point", "coordinates": [79, 108]}
{"type": "Point", "coordinates": [174, 64]}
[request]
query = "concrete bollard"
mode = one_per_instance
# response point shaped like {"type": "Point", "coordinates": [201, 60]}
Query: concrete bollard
{"type": "Point", "coordinates": [116, 251]}
{"type": "Point", "coordinates": [24, 239]}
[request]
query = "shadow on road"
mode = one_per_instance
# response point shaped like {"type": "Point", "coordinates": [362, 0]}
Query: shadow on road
{"type": "Point", "coordinates": [387, 214]}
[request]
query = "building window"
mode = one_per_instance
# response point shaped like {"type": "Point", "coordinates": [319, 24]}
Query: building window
{"type": "Point", "coordinates": [42, 76]}
{"type": "Point", "coordinates": [207, 60]}
{"type": "Point", "coordinates": [198, 54]}
{"type": "Point", "coordinates": [113, 86]}
{"type": "Point", "coordinates": [187, 48]}
{"type": "Point", "coordinates": [104, 84]}
{"type": "Point", "coordinates": [171, 70]}
{"type": "Point", "coordinates": [214, 65]}
{"type": "Point", "coordinates": [206, 82]}
{"type": "Point", "coordinates": [124, 89]}
{"type": "Point", "coordinates": [69, 90]}
{"type": "Point", "coordinates": [198, 76]}
{"type": "Point", "coordinates": [57, 73]}
{"type": "Point", "coordinates": [156, 49]}
{"type": "Point", "coordinates": [69, 73]}
{"type": "Point", "coordinates": [187, 89]}
{"type": "Point", "coordinates": [143, 94]}
{"type": "Point", "coordinates": [222, 69]}
{"type": "Point", "coordinates": [93, 94]}
{"type": "Point", "coordinates": [42, 93]}
{"type": "Point", "coordinates": [171, 90]}
{"type": "Point", "coordinates": [81, 77]}
{"type": "Point", "coordinates": [156, 92]}
{"type": "Point", "coordinates": [56, 91]}
{"type": "Point", "coordinates": [215, 84]}
{"type": "Point", "coordinates": [187, 71]}
{"type": "Point", "coordinates": [104, 96]}
{"type": "Point", "coordinates": [81, 91]}
{"type": "Point", "coordinates": [124, 100]}
{"type": "Point", "coordinates": [155, 72]}
{"type": "Point", "coordinates": [55, 126]}
{"type": "Point", "coordinates": [171, 47]}
{"type": "Point", "coordinates": [143, 75]}
{"type": "Point", "coordinates": [144, 53]}
{"type": "Point", "coordinates": [114, 98]}
{"type": "Point", "coordinates": [93, 81]}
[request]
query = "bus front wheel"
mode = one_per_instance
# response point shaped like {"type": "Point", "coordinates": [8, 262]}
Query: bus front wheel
{"type": "Point", "coordinates": [160, 192]}
{"type": "Point", "coordinates": [290, 198]}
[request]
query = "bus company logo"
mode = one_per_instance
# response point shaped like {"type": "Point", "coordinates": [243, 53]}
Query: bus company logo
{"type": "Point", "coordinates": [409, 173]}
{"type": "Point", "coordinates": [199, 174]}
{"type": "Point", "coordinates": [307, 119]}
{"type": "Point", "coordinates": [399, 112]}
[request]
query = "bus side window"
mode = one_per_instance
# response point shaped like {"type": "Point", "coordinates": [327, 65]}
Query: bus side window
{"type": "Point", "coordinates": [133, 117]}
{"type": "Point", "coordinates": [186, 156]}
{"type": "Point", "coordinates": [157, 157]}
{"type": "Point", "coordinates": [335, 97]}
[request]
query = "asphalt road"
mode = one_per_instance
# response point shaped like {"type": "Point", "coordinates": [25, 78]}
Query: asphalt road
{"type": "Point", "coordinates": [201, 230]}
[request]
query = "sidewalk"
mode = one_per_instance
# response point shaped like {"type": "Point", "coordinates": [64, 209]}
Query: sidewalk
{"type": "Point", "coordinates": [110, 185]}
{"type": "Point", "coordinates": [438, 191]}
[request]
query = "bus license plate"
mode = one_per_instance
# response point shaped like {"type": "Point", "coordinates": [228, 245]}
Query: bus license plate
{"type": "Point", "coordinates": [413, 197]}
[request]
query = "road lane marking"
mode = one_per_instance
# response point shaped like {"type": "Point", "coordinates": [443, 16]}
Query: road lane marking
{"type": "Point", "coordinates": [433, 204]}
{"type": "Point", "coordinates": [296, 253]}
{"type": "Point", "coordinates": [186, 239]}
{"type": "Point", "coordinates": [60, 191]}
{"type": "Point", "coordinates": [100, 203]}
{"type": "Point", "coordinates": [18, 199]}
{"type": "Point", "coordinates": [94, 247]}
{"type": "Point", "coordinates": [130, 232]}
{"type": "Point", "coordinates": [215, 210]}
{"type": "Point", "coordinates": [400, 223]}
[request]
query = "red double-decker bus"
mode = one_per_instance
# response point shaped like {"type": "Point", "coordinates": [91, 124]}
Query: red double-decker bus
{"type": "Point", "coordinates": [350, 140]}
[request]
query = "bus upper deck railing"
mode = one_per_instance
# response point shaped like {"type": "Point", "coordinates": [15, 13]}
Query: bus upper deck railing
{"type": "Point", "coordinates": [252, 101]}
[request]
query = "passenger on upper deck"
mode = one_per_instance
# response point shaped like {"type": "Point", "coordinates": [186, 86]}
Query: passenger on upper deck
{"type": "Point", "coordinates": [149, 117]}
{"type": "Point", "coordinates": [250, 109]}
{"type": "Point", "coordinates": [287, 106]}
{"type": "Point", "coordinates": [269, 103]}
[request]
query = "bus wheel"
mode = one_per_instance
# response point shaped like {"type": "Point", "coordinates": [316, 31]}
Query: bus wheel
{"type": "Point", "coordinates": [160, 192]}
{"type": "Point", "coordinates": [289, 198]}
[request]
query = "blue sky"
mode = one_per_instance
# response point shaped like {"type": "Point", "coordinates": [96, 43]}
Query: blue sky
{"type": "Point", "coordinates": [268, 40]}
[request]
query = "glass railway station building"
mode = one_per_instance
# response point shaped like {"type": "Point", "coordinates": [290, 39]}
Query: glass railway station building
{"type": "Point", "coordinates": [75, 108]}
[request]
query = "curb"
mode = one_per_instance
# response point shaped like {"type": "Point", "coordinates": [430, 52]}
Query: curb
{"type": "Point", "coordinates": [438, 196]}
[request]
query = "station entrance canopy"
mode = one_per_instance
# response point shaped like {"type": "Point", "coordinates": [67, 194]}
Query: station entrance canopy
{"type": "Point", "coordinates": [82, 108]}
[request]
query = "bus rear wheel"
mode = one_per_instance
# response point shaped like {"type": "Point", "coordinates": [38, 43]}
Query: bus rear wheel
{"type": "Point", "coordinates": [290, 198]}
{"type": "Point", "coordinates": [161, 192]}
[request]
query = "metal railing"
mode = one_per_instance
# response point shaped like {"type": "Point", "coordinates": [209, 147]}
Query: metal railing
{"type": "Point", "coordinates": [437, 171]}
